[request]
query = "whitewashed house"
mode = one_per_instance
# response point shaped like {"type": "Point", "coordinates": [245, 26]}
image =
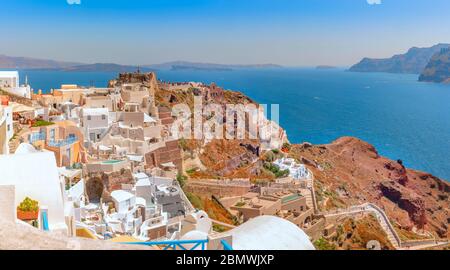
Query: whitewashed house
{"type": "Point", "coordinates": [10, 82]}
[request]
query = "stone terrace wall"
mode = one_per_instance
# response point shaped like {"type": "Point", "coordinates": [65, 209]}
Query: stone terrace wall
{"type": "Point", "coordinates": [218, 188]}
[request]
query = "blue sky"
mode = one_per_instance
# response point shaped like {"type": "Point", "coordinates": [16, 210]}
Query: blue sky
{"type": "Point", "coordinates": [288, 32]}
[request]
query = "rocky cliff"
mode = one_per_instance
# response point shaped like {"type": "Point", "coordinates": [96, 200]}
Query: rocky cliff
{"type": "Point", "coordinates": [350, 172]}
{"type": "Point", "coordinates": [414, 61]}
{"type": "Point", "coordinates": [438, 69]}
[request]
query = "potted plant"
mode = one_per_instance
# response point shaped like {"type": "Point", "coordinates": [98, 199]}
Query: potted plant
{"type": "Point", "coordinates": [28, 209]}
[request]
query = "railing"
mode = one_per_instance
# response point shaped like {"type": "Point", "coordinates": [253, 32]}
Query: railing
{"type": "Point", "coordinates": [45, 221]}
{"type": "Point", "coordinates": [35, 137]}
{"type": "Point", "coordinates": [388, 223]}
{"type": "Point", "coordinates": [60, 143]}
{"type": "Point", "coordinates": [182, 244]}
{"type": "Point", "coordinates": [225, 245]}
{"type": "Point", "coordinates": [175, 245]}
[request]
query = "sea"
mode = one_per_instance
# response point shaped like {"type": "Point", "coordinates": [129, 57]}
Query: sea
{"type": "Point", "coordinates": [403, 118]}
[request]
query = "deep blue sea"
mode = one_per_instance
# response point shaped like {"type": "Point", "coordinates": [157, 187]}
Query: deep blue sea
{"type": "Point", "coordinates": [402, 118]}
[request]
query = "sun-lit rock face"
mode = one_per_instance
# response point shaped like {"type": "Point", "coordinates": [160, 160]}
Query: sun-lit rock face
{"type": "Point", "coordinates": [350, 171]}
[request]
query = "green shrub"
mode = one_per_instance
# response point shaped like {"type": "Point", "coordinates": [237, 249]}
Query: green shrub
{"type": "Point", "coordinates": [28, 205]}
{"type": "Point", "coordinates": [323, 244]}
{"type": "Point", "coordinates": [239, 204]}
{"type": "Point", "coordinates": [181, 180]}
{"type": "Point", "coordinates": [195, 200]}
{"type": "Point", "coordinates": [276, 170]}
{"type": "Point", "coordinates": [42, 123]}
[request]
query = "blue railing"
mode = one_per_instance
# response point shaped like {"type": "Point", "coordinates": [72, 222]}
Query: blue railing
{"type": "Point", "coordinates": [60, 143]}
{"type": "Point", "coordinates": [175, 245]}
{"type": "Point", "coordinates": [35, 137]}
{"type": "Point", "coordinates": [45, 221]}
{"type": "Point", "coordinates": [225, 245]}
{"type": "Point", "coordinates": [181, 244]}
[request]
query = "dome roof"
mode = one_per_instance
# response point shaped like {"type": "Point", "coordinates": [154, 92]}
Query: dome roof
{"type": "Point", "coordinates": [269, 233]}
{"type": "Point", "coordinates": [25, 148]}
{"type": "Point", "coordinates": [194, 235]}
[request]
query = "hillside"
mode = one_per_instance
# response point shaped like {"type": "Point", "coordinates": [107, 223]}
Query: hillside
{"type": "Point", "coordinates": [414, 61]}
{"type": "Point", "coordinates": [438, 69]}
{"type": "Point", "coordinates": [349, 171]}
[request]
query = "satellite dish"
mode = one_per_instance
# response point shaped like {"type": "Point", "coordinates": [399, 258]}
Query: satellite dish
{"type": "Point", "coordinates": [373, 245]}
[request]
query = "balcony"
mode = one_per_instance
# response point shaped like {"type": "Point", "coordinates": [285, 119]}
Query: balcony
{"type": "Point", "coordinates": [60, 143]}
{"type": "Point", "coordinates": [36, 137]}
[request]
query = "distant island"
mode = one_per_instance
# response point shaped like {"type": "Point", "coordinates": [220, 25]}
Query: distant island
{"type": "Point", "coordinates": [413, 62]}
{"type": "Point", "coordinates": [206, 66]}
{"type": "Point", "coordinates": [176, 67]}
{"type": "Point", "coordinates": [438, 69]}
{"type": "Point", "coordinates": [99, 67]}
{"type": "Point", "coordinates": [12, 62]}
{"type": "Point", "coordinates": [325, 67]}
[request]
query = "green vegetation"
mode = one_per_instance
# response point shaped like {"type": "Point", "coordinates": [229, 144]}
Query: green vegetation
{"type": "Point", "coordinates": [191, 171]}
{"type": "Point", "coordinates": [286, 147]}
{"type": "Point", "coordinates": [183, 144]}
{"type": "Point", "coordinates": [323, 244]}
{"type": "Point", "coordinates": [269, 157]}
{"type": "Point", "coordinates": [239, 204]}
{"type": "Point", "coordinates": [276, 170]}
{"type": "Point", "coordinates": [219, 228]}
{"type": "Point", "coordinates": [195, 200]}
{"type": "Point", "coordinates": [181, 180]}
{"type": "Point", "coordinates": [28, 205]}
{"type": "Point", "coordinates": [42, 123]}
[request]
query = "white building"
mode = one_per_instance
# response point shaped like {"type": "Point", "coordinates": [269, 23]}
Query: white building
{"type": "Point", "coordinates": [95, 122]}
{"type": "Point", "coordinates": [269, 233]}
{"type": "Point", "coordinates": [296, 171]}
{"type": "Point", "coordinates": [35, 175]}
{"type": "Point", "coordinates": [9, 79]}
{"type": "Point", "coordinates": [123, 201]}
{"type": "Point", "coordinates": [144, 188]}
{"type": "Point", "coordinates": [10, 82]}
{"type": "Point", "coordinates": [6, 128]}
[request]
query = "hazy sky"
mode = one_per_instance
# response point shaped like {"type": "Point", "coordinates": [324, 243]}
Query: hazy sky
{"type": "Point", "coordinates": [287, 32]}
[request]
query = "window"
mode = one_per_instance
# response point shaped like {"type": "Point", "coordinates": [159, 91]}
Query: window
{"type": "Point", "coordinates": [52, 134]}
{"type": "Point", "coordinates": [9, 127]}
{"type": "Point", "coordinates": [103, 117]}
{"type": "Point", "coordinates": [89, 118]}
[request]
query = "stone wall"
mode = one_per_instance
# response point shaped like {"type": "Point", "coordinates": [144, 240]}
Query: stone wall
{"type": "Point", "coordinates": [17, 99]}
{"type": "Point", "coordinates": [171, 152]}
{"type": "Point", "coordinates": [210, 188]}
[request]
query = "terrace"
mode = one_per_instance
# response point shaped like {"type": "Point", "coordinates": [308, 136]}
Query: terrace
{"type": "Point", "coordinates": [61, 143]}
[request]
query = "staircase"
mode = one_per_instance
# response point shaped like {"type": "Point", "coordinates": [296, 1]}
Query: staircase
{"type": "Point", "coordinates": [387, 227]}
{"type": "Point", "coordinates": [309, 200]}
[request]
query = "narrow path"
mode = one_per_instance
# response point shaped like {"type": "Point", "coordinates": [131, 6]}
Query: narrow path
{"type": "Point", "coordinates": [223, 224]}
{"type": "Point", "coordinates": [386, 226]}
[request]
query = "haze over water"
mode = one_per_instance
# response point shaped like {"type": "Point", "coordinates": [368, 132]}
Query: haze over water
{"type": "Point", "coordinates": [402, 118]}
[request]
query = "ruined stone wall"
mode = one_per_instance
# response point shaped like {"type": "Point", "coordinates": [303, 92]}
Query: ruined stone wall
{"type": "Point", "coordinates": [315, 231]}
{"type": "Point", "coordinates": [171, 152]}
